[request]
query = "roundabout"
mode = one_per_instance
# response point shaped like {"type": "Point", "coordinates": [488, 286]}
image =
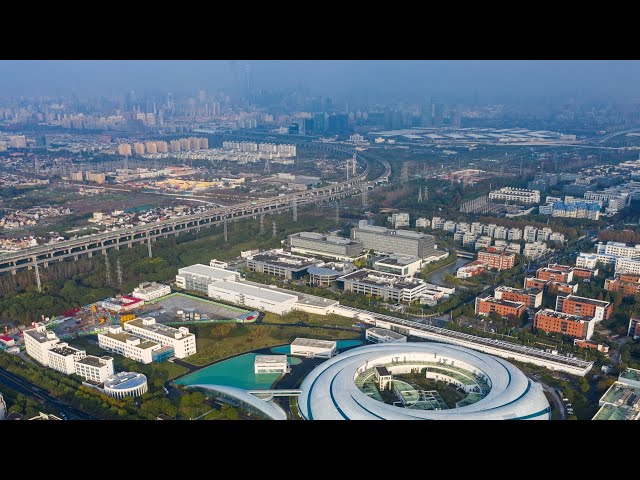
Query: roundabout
{"type": "Point", "coordinates": [419, 381]}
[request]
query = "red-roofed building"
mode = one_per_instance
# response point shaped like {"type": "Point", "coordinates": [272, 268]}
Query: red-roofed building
{"type": "Point", "coordinates": [7, 341]}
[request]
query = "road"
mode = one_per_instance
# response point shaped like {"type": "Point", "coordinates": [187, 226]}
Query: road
{"type": "Point", "coordinates": [27, 388]}
{"type": "Point", "coordinates": [555, 398]}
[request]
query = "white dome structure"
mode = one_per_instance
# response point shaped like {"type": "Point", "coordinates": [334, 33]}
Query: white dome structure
{"type": "Point", "coordinates": [341, 388]}
{"type": "Point", "coordinates": [124, 384]}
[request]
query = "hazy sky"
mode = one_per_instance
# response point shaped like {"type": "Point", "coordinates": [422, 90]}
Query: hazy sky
{"type": "Point", "coordinates": [461, 79]}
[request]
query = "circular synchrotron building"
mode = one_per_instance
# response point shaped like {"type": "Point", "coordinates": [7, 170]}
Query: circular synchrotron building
{"type": "Point", "coordinates": [387, 382]}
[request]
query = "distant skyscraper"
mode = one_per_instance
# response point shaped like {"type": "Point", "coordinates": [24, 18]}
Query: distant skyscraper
{"type": "Point", "coordinates": [438, 115]}
{"type": "Point", "coordinates": [309, 125]}
{"type": "Point", "coordinates": [456, 118]}
{"type": "Point", "coordinates": [426, 116]}
{"type": "Point", "coordinates": [319, 122]}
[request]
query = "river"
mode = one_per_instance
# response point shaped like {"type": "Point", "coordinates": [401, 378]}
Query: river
{"type": "Point", "coordinates": [436, 276]}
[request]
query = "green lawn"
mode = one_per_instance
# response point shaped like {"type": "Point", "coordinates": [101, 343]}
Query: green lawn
{"type": "Point", "coordinates": [246, 337]}
{"type": "Point", "coordinates": [311, 319]}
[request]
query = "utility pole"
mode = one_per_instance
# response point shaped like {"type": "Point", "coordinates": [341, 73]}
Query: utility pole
{"type": "Point", "coordinates": [119, 272]}
{"type": "Point", "coordinates": [426, 193]}
{"type": "Point", "coordinates": [348, 168]}
{"type": "Point", "coordinates": [107, 269]}
{"type": "Point", "coordinates": [404, 175]}
{"type": "Point", "coordinates": [35, 265]}
{"type": "Point", "coordinates": [355, 162]}
{"type": "Point", "coordinates": [419, 194]}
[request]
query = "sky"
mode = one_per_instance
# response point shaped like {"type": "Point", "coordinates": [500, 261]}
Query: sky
{"type": "Point", "coordinates": [458, 79]}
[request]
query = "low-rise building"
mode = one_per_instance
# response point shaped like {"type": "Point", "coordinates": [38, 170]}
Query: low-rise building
{"type": "Point", "coordinates": [586, 307]}
{"type": "Point", "coordinates": [148, 291]}
{"type": "Point", "coordinates": [531, 298]}
{"type": "Point", "coordinates": [535, 249]}
{"type": "Point", "coordinates": [125, 384]}
{"type": "Point", "coordinates": [96, 369]}
{"type": "Point", "coordinates": [518, 195]}
{"type": "Point", "coordinates": [62, 358]}
{"type": "Point", "coordinates": [270, 364]}
{"type": "Point", "coordinates": [311, 348]}
{"type": "Point", "coordinates": [497, 260]}
{"type": "Point", "coordinates": [260, 298]}
{"type": "Point", "coordinates": [122, 303]}
{"type": "Point", "coordinates": [536, 283]}
{"type": "Point", "coordinates": [116, 340]}
{"type": "Point", "coordinates": [634, 328]}
{"type": "Point", "coordinates": [384, 335]}
{"type": "Point", "coordinates": [471, 269]}
{"type": "Point", "coordinates": [555, 273]}
{"type": "Point", "coordinates": [330, 246]}
{"type": "Point", "coordinates": [572, 325]}
{"type": "Point", "coordinates": [386, 285]}
{"type": "Point", "coordinates": [620, 401]}
{"type": "Point", "coordinates": [180, 339]}
{"type": "Point", "coordinates": [566, 288]}
{"type": "Point", "coordinates": [628, 285]}
{"type": "Point", "coordinates": [592, 345]}
{"type": "Point", "coordinates": [587, 260]}
{"type": "Point", "coordinates": [628, 265]}
{"type": "Point", "coordinates": [38, 341]}
{"type": "Point", "coordinates": [198, 277]}
{"type": "Point", "coordinates": [504, 308]}
{"type": "Point", "coordinates": [422, 222]}
{"type": "Point", "coordinates": [280, 264]}
{"type": "Point", "coordinates": [398, 264]}
{"type": "Point", "coordinates": [584, 273]}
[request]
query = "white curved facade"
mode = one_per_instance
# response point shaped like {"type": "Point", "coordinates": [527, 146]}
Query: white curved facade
{"type": "Point", "coordinates": [329, 392]}
{"type": "Point", "coordinates": [248, 401]}
{"type": "Point", "coordinates": [125, 384]}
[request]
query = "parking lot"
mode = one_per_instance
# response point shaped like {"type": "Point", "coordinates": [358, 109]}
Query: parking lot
{"type": "Point", "coordinates": [165, 309]}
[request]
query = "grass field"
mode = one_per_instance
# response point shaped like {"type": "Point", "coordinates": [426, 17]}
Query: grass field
{"type": "Point", "coordinates": [311, 319]}
{"type": "Point", "coordinates": [245, 338]}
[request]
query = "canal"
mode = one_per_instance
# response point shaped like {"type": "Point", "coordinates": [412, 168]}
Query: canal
{"type": "Point", "coordinates": [436, 276]}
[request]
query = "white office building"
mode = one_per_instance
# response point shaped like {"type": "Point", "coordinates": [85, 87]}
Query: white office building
{"type": "Point", "coordinates": [520, 195]}
{"type": "Point", "coordinates": [437, 223]}
{"type": "Point", "coordinates": [399, 220]}
{"type": "Point", "coordinates": [477, 228]}
{"type": "Point", "coordinates": [530, 234]}
{"type": "Point", "coordinates": [311, 348]}
{"type": "Point", "coordinates": [422, 222]}
{"type": "Point", "coordinates": [116, 340]}
{"type": "Point", "coordinates": [182, 342]}
{"type": "Point", "coordinates": [398, 264]}
{"type": "Point", "coordinates": [628, 265]}
{"type": "Point", "coordinates": [389, 286]}
{"type": "Point", "coordinates": [384, 335]}
{"type": "Point", "coordinates": [449, 226]}
{"type": "Point", "coordinates": [96, 369]}
{"type": "Point", "coordinates": [38, 341]}
{"type": "Point", "coordinates": [618, 249]}
{"type": "Point", "coordinates": [198, 277]}
{"type": "Point", "coordinates": [62, 358]}
{"type": "Point", "coordinates": [514, 234]}
{"type": "Point", "coordinates": [260, 298]}
{"type": "Point", "coordinates": [271, 364]}
{"type": "Point", "coordinates": [150, 291]}
{"type": "Point", "coordinates": [535, 249]}
{"type": "Point", "coordinates": [500, 233]}
{"type": "Point", "coordinates": [125, 384]}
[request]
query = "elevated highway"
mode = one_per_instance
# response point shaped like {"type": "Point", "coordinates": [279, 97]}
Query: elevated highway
{"type": "Point", "coordinates": [127, 237]}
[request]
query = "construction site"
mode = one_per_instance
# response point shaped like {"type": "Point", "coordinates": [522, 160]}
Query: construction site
{"type": "Point", "coordinates": [172, 309]}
